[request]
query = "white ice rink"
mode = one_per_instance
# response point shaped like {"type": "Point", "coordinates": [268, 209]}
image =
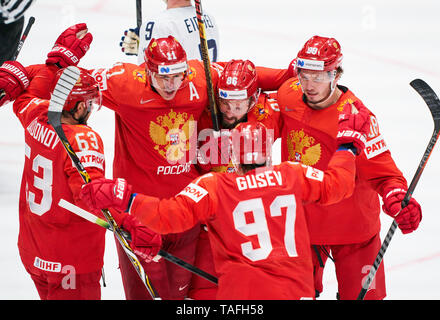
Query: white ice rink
{"type": "Point", "coordinates": [386, 44]}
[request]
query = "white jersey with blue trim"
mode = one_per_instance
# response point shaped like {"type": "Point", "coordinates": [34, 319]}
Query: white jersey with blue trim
{"type": "Point", "coordinates": [182, 24]}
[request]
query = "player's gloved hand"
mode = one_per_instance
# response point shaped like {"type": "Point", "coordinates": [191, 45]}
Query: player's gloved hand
{"type": "Point", "coordinates": [106, 193]}
{"type": "Point", "coordinates": [408, 218]}
{"type": "Point", "coordinates": [291, 69]}
{"type": "Point", "coordinates": [353, 126]}
{"type": "Point", "coordinates": [70, 46]}
{"type": "Point", "coordinates": [13, 81]}
{"type": "Point", "coordinates": [130, 42]}
{"type": "Point", "coordinates": [144, 242]}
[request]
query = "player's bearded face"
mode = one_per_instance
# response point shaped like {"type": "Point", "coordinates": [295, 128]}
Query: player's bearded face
{"type": "Point", "coordinates": [83, 112]}
{"type": "Point", "coordinates": [316, 85]}
{"type": "Point", "coordinates": [167, 85]}
{"type": "Point", "coordinates": [233, 110]}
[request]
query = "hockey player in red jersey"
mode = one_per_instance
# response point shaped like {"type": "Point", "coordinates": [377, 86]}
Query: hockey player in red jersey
{"type": "Point", "coordinates": [347, 232]}
{"type": "Point", "coordinates": [239, 100]}
{"type": "Point", "coordinates": [255, 217]}
{"type": "Point", "coordinates": [62, 253]}
{"type": "Point", "coordinates": [156, 108]}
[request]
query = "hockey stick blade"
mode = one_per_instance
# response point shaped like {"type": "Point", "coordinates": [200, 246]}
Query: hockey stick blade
{"type": "Point", "coordinates": [429, 96]}
{"type": "Point", "coordinates": [62, 89]}
{"type": "Point", "coordinates": [433, 103]}
{"type": "Point", "coordinates": [96, 220]}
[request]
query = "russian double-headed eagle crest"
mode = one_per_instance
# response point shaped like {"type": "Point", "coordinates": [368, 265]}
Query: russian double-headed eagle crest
{"type": "Point", "coordinates": [260, 112]}
{"type": "Point", "coordinates": [295, 85]}
{"type": "Point", "coordinates": [140, 75]}
{"type": "Point", "coordinates": [343, 103]}
{"type": "Point", "coordinates": [172, 134]}
{"type": "Point", "coordinates": [191, 73]}
{"type": "Point", "coordinates": [303, 148]}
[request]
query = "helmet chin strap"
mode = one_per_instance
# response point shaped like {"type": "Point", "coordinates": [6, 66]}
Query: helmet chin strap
{"type": "Point", "coordinates": [254, 100]}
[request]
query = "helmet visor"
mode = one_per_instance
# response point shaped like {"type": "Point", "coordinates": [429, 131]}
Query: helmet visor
{"type": "Point", "coordinates": [237, 107]}
{"type": "Point", "coordinates": [316, 76]}
{"type": "Point", "coordinates": [94, 103]}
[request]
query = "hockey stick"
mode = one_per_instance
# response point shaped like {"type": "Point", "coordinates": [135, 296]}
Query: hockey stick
{"type": "Point", "coordinates": [23, 37]}
{"type": "Point", "coordinates": [139, 13]}
{"type": "Point", "coordinates": [207, 65]}
{"type": "Point", "coordinates": [94, 219]}
{"type": "Point", "coordinates": [20, 45]}
{"type": "Point", "coordinates": [62, 89]}
{"type": "Point", "coordinates": [431, 99]}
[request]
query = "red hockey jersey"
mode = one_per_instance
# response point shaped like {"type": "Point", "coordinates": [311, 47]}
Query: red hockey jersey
{"type": "Point", "coordinates": [309, 136]}
{"type": "Point", "coordinates": [50, 237]}
{"type": "Point", "coordinates": [259, 235]}
{"type": "Point", "coordinates": [155, 139]}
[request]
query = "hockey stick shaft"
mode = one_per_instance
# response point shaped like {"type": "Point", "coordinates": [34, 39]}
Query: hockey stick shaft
{"type": "Point", "coordinates": [20, 45]}
{"type": "Point", "coordinates": [188, 266]}
{"type": "Point", "coordinates": [23, 37]}
{"type": "Point", "coordinates": [138, 13]}
{"type": "Point", "coordinates": [96, 220]}
{"type": "Point", "coordinates": [85, 214]}
{"type": "Point", "coordinates": [207, 65]}
{"type": "Point", "coordinates": [62, 89]}
{"type": "Point", "coordinates": [433, 103]}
